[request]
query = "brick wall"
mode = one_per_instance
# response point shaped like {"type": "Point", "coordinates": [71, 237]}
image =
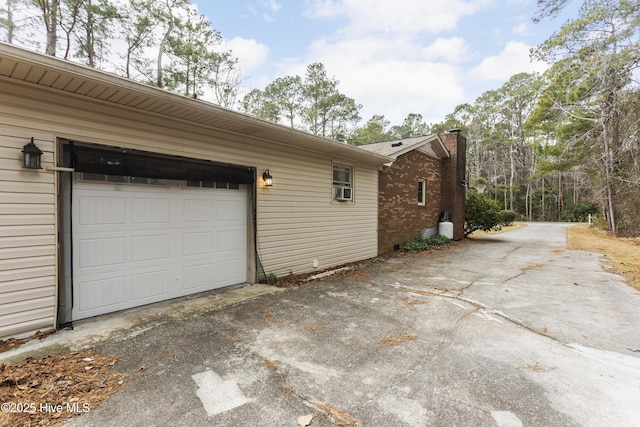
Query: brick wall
{"type": "Point", "coordinates": [453, 172]}
{"type": "Point", "coordinates": [400, 218]}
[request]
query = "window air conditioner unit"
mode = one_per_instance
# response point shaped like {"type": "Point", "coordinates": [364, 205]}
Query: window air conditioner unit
{"type": "Point", "coordinates": [344, 193]}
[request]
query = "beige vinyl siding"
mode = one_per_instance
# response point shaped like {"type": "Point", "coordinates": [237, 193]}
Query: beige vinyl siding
{"type": "Point", "coordinates": [27, 235]}
{"type": "Point", "coordinates": [297, 220]}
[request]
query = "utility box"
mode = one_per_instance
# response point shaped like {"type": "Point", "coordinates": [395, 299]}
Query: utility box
{"type": "Point", "coordinates": [445, 229]}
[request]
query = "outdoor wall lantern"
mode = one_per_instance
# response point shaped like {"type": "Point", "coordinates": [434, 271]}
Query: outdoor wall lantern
{"type": "Point", "coordinates": [31, 155]}
{"type": "Point", "coordinates": [267, 178]}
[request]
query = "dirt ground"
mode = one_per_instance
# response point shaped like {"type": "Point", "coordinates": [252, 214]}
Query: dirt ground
{"type": "Point", "coordinates": [623, 253]}
{"type": "Point", "coordinates": [50, 390]}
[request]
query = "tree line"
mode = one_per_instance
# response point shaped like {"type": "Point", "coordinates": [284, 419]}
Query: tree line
{"type": "Point", "coordinates": [565, 144]}
{"type": "Point", "coordinates": [554, 146]}
{"type": "Point", "coordinates": [315, 104]}
{"type": "Point", "coordinates": [164, 43]}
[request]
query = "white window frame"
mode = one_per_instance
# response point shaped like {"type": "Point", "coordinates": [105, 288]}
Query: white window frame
{"type": "Point", "coordinates": [422, 192]}
{"type": "Point", "coordinates": [335, 184]}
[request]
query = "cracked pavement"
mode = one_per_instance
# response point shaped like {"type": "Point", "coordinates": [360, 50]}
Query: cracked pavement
{"type": "Point", "coordinates": [509, 330]}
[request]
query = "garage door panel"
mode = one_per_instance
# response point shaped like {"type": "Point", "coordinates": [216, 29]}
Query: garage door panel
{"type": "Point", "coordinates": [226, 210]}
{"type": "Point", "coordinates": [199, 243]}
{"type": "Point", "coordinates": [149, 285]}
{"type": "Point", "coordinates": [102, 252]}
{"type": "Point", "coordinates": [229, 272]}
{"type": "Point", "coordinates": [229, 241]}
{"type": "Point", "coordinates": [136, 244]}
{"type": "Point", "coordinates": [102, 210]}
{"type": "Point", "coordinates": [151, 247]}
{"type": "Point", "coordinates": [150, 210]}
{"type": "Point", "coordinates": [198, 210]}
{"type": "Point", "coordinates": [108, 292]}
{"type": "Point", "coordinates": [199, 276]}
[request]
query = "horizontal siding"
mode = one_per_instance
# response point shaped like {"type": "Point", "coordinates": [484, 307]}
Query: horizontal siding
{"type": "Point", "coordinates": [25, 252]}
{"type": "Point", "coordinates": [26, 262]}
{"type": "Point", "coordinates": [36, 297]}
{"type": "Point", "coordinates": [22, 285]}
{"type": "Point", "coordinates": [27, 233]}
{"type": "Point", "coordinates": [27, 273]}
{"type": "Point", "coordinates": [28, 304]}
{"type": "Point", "coordinates": [26, 322]}
{"type": "Point", "coordinates": [297, 220]}
{"type": "Point", "coordinates": [27, 209]}
{"type": "Point", "coordinates": [24, 229]}
{"type": "Point", "coordinates": [26, 241]}
{"type": "Point", "coordinates": [7, 198]}
{"type": "Point", "coordinates": [34, 219]}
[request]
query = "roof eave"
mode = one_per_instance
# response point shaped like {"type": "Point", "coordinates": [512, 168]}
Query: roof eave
{"type": "Point", "coordinates": [291, 137]}
{"type": "Point", "coordinates": [438, 146]}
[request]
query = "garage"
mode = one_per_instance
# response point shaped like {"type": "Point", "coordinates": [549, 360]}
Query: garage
{"type": "Point", "coordinates": [138, 195]}
{"type": "Point", "coordinates": [146, 238]}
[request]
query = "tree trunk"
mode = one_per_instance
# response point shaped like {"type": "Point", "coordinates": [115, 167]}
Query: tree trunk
{"type": "Point", "coordinates": [511, 178]}
{"type": "Point", "coordinates": [610, 138]}
{"type": "Point", "coordinates": [164, 41]}
{"type": "Point", "coordinates": [560, 203]}
{"type": "Point", "coordinates": [526, 202]}
{"type": "Point", "coordinates": [50, 10]}
{"type": "Point", "coordinates": [542, 201]}
{"type": "Point", "coordinates": [10, 24]}
{"type": "Point", "coordinates": [90, 35]}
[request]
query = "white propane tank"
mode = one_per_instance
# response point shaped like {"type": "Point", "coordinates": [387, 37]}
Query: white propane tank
{"type": "Point", "coordinates": [445, 229]}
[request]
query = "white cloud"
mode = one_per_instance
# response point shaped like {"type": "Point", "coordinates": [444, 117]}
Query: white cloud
{"type": "Point", "coordinates": [272, 8]}
{"type": "Point", "coordinates": [398, 16]}
{"type": "Point", "coordinates": [389, 76]}
{"type": "Point", "coordinates": [513, 59]}
{"type": "Point", "coordinates": [251, 54]}
{"type": "Point", "coordinates": [272, 5]}
{"type": "Point", "coordinates": [452, 50]}
{"type": "Point", "coordinates": [385, 56]}
{"type": "Point", "coordinates": [397, 88]}
{"type": "Point", "coordinates": [401, 57]}
{"type": "Point", "coordinates": [522, 29]}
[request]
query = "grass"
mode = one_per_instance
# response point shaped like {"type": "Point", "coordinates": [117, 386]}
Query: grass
{"type": "Point", "coordinates": [623, 253]}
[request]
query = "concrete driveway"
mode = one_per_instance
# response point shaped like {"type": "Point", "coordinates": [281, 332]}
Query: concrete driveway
{"type": "Point", "coordinates": [511, 330]}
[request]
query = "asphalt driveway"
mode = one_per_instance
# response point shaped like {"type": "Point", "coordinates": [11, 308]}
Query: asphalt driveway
{"type": "Point", "coordinates": [512, 330]}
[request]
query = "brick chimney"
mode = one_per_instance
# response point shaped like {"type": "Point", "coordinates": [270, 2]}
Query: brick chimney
{"type": "Point", "coordinates": [453, 178]}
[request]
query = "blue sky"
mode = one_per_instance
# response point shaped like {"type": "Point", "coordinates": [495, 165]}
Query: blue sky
{"type": "Point", "coordinates": [394, 57]}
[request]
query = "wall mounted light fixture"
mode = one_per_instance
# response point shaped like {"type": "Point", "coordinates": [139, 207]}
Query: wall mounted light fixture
{"type": "Point", "coordinates": [31, 156]}
{"type": "Point", "coordinates": [267, 178]}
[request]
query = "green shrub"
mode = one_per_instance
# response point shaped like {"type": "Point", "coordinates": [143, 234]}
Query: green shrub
{"type": "Point", "coordinates": [578, 212]}
{"type": "Point", "coordinates": [508, 216]}
{"type": "Point", "coordinates": [272, 279]}
{"type": "Point", "coordinates": [422, 244]}
{"type": "Point", "coordinates": [480, 213]}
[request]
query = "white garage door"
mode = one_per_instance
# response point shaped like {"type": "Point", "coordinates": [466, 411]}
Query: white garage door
{"type": "Point", "coordinates": [140, 241]}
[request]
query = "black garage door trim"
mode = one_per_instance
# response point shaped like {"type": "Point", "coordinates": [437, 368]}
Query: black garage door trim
{"type": "Point", "coordinates": [118, 161]}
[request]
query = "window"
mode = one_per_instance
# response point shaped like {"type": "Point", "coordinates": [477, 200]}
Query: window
{"type": "Point", "coordinates": [342, 176]}
{"type": "Point", "coordinates": [342, 183]}
{"type": "Point", "coordinates": [212, 184]}
{"type": "Point", "coordinates": [422, 191]}
{"type": "Point", "coordinates": [121, 179]}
